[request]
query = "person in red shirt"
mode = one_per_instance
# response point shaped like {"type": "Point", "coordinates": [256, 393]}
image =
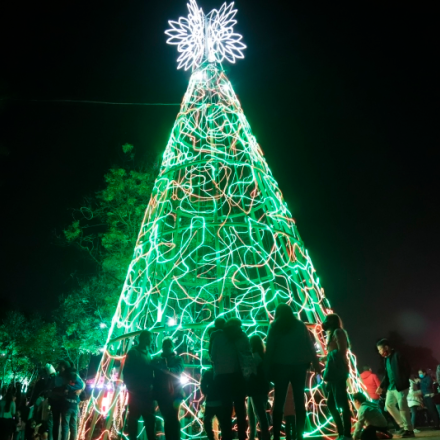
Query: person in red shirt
{"type": "Point", "coordinates": [371, 383]}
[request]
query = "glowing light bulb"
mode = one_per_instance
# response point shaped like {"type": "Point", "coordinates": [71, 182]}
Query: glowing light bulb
{"type": "Point", "coordinates": [172, 321]}
{"type": "Point", "coordinates": [184, 379]}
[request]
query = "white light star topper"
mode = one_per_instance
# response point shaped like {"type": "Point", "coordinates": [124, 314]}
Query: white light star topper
{"type": "Point", "coordinates": [201, 37]}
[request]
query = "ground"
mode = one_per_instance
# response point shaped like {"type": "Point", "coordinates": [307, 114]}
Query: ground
{"type": "Point", "coordinates": [432, 435]}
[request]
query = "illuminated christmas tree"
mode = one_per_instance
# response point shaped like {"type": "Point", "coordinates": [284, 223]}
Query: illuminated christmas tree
{"type": "Point", "coordinates": [217, 240]}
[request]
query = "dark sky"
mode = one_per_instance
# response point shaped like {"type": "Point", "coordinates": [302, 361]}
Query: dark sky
{"type": "Point", "coordinates": [341, 100]}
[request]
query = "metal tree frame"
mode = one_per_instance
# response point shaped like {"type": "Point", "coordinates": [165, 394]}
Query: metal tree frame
{"type": "Point", "coordinates": [217, 239]}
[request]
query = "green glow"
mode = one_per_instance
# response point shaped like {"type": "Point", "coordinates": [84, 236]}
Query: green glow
{"type": "Point", "coordinates": [217, 240]}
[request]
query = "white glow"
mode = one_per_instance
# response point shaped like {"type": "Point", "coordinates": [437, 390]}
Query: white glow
{"type": "Point", "coordinates": [172, 321]}
{"type": "Point", "coordinates": [102, 325]}
{"type": "Point", "coordinates": [199, 76]}
{"type": "Point", "coordinates": [184, 379]}
{"type": "Point", "coordinates": [201, 37]}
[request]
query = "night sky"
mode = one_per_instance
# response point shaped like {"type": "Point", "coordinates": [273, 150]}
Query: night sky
{"type": "Point", "coordinates": [341, 100]}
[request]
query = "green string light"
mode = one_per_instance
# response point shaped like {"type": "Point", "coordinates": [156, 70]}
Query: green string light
{"type": "Point", "coordinates": [217, 239]}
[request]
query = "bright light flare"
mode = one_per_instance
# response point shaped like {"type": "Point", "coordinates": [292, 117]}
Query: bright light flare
{"type": "Point", "coordinates": [210, 37]}
{"type": "Point", "coordinates": [184, 379]}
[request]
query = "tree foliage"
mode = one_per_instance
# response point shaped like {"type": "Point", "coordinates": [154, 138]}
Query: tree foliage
{"type": "Point", "coordinates": [25, 344]}
{"type": "Point", "coordinates": [105, 229]}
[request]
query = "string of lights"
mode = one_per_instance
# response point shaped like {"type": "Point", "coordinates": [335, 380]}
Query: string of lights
{"type": "Point", "coordinates": [217, 240]}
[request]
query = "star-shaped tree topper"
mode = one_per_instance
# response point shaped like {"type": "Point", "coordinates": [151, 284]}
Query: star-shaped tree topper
{"type": "Point", "coordinates": [210, 37]}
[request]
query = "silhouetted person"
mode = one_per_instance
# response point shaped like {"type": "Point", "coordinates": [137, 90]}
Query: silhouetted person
{"type": "Point", "coordinates": [258, 393]}
{"type": "Point", "coordinates": [289, 353]}
{"type": "Point", "coordinates": [69, 415]}
{"type": "Point", "coordinates": [396, 383]}
{"type": "Point", "coordinates": [213, 402]}
{"type": "Point", "coordinates": [426, 387]}
{"type": "Point", "coordinates": [233, 364]}
{"type": "Point", "coordinates": [8, 410]}
{"type": "Point", "coordinates": [219, 325]}
{"type": "Point", "coordinates": [336, 373]}
{"type": "Point", "coordinates": [56, 397]}
{"type": "Point", "coordinates": [289, 415]}
{"type": "Point", "coordinates": [168, 367]}
{"type": "Point", "coordinates": [138, 378]}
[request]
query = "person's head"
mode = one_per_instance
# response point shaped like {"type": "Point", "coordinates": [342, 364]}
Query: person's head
{"type": "Point", "coordinates": [422, 373]}
{"type": "Point", "coordinates": [359, 399]}
{"type": "Point", "coordinates": [167, 346]}
{"type": "Point", "coordinates": [145, 339]}
{"type": "Point", "coordinates": [366, 368]}
{"type": "Point", "coordinates": [220, 323]}
{"type": "Point", "coordinates": [233, 329]}
{"type": "Point", "coordinates": [257, 345]}
{"type": "Point", "coordinates": [233, 323]}
{"type": "Point", "coordinates": [284, 312]}
{"type": "Point", "coordinates": [71, 375]}
{"type": "Point", "coordinates": [63, 365]}
{"type": "Point", "coordinates": [284, 318]}
{"type": "Point", "coordinates": [331, 322]}
{"type": "Point", "coordinates": [384, 347]}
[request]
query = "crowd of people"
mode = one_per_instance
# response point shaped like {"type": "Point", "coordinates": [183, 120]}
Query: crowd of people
{"type": "Point", "coordinates": [236, 388]}
{"type": "Point", "coordinates": [407, 398]}
{"type": "Point", "coordinates": [49, 412]}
